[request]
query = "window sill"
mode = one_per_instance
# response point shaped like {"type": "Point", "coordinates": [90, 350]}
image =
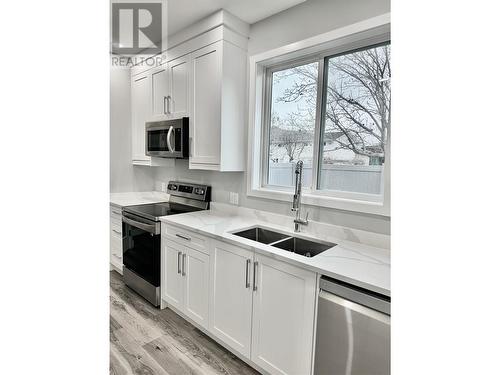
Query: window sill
{"type": "Point", "coordinates": [368, 207]}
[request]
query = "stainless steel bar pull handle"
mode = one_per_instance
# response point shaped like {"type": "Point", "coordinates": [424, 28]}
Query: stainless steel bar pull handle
{"type": "Point", "coordinates": [183, 237]}
{"type": "Point", "coordinates": [151, 228]}
{"type": "Point", "coordinates": [164, 105]}
{"type": "Point", "coordinates": [179, 262]}
{"type": "Point", "coordinates": [169, 98]}
{"type": "Point", "coordinates": [247, 274]}
{"type": "Point", "coordinates": [183, 264]}
{"type": "Point", "coordinates": [255, 265]}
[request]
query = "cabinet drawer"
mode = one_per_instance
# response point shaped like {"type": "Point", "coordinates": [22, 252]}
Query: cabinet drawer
{"type": "Point", "coordinates": [116, 250]}
{"type": "Point", "coordinates": [116, 244]}
{"type": "Point", "coordinates": [116, 227]}
{"type": "Point", "coordinates": [116, 213]}
{"type": "Point", "coordinates": [185, 237]}
{"type": "Point", "coordinates": [116, 260]}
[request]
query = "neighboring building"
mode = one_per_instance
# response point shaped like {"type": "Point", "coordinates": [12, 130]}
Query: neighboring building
{"type": "Point", "coordinates": [300, 144]}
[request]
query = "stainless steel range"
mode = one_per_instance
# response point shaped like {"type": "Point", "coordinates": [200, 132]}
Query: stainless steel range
{"type": "Point", "coordinates": [142, 235]}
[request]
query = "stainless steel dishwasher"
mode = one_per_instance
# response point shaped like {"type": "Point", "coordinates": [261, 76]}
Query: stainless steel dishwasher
{"type": "Point", "coordinates": [353, 334]}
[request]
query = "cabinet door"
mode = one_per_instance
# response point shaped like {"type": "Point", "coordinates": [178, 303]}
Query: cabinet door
{"type": "Point", "coordinates": [179, 73]}
{"type": "Point", "coordinates": [172, 287]}
{"type": "Point", "coordinates": [160, 84]}
{"type": "Point", "coordinates": [205, 127]}
{"type": "Point", "coordinates": [116, 240]}
{"type": "Point", "coordinates": [141, 112]}
{"type": "Point", "coordinates": [196, 277]}
{"type": "Point", "coordinates": [283, 317]}
{"type": "Point", "coordinates": [116, 249]}
{"type": "Point", "coordinates": [231, 296]}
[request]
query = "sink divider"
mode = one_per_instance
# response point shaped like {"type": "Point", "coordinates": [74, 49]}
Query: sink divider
{"type": "Point", "coordinates": [283, 239]}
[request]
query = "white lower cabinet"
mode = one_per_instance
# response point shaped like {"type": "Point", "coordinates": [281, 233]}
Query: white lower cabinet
{"type": "Point", "coordinates": [283, 317]}
{"type": "Point", "coordinates": [231, 296]}
{"type": "Point", "coordinates": [115, 239]}
{"type": "Point", "coordinates": [172, 286]}
{"type": "Point", "coordinates": [185, 280]}
{"type": "Point", "coordinates": [197, 283]}
{"type": "Point", "coordinates": [261, 308]}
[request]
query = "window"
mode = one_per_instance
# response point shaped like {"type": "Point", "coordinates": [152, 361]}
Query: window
{"type": "Point", "coordinates": [333, 113]}
{"type": "Point", "coordinates": [355, 119]}
{"type": "Point", "coordinates": [292, 118]}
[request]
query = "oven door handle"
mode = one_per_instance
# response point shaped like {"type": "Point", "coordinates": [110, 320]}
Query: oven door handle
{"type": "Point", "coordinates": [151, 228]}
{"type": "Point", "coordinates": [169, 134]}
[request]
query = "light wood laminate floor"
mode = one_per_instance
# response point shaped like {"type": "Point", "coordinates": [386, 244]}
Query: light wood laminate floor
{"type": "Point", "coordinates": [148, 341]}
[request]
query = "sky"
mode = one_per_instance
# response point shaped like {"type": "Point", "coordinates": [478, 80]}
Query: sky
{"type": "Point", "coordinates": [282, 108]}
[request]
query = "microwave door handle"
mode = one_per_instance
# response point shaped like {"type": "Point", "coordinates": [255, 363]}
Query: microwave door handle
{"type": "Point", "coordinates": [169, 134]}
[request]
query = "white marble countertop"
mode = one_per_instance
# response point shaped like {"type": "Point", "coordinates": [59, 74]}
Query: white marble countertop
{"type": "Point", "coordinates": [360, 258]}
{"type": "Point", "coordinates": [134, 198]}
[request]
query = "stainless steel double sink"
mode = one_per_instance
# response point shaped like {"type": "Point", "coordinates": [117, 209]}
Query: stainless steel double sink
{"type": "Point", "coordinates": [286, 242]}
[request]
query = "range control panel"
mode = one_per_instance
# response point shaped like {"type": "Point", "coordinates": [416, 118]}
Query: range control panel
{"type": "Point", "coordinates": [188, 190]}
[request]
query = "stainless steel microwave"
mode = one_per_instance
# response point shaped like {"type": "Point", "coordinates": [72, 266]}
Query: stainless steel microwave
{"type": "Point", "coordinates": [168, 139]}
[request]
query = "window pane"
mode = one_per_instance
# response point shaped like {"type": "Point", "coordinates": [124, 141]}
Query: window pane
{"type": "Point", "coordinates": [356, 117]}
{"type": "Point", "coordinates": [291, 131]}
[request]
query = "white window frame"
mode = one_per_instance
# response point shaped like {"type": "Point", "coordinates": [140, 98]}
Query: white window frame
{"type": "Point", "coordinates": [362, 34]}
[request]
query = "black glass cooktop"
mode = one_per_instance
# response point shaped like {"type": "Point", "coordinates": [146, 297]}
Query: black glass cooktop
{"type": "Point", "coordinates": [155, 210]}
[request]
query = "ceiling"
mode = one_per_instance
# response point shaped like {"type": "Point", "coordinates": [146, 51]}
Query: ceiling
{"type": "Point", "coordinates": [182, 13]}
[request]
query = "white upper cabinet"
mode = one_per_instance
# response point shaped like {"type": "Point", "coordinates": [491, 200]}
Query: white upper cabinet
{"type": "Point", "coordinates": [141, 112]}
{"type": "Point", "coordinates": [283, 317]}
{"type": "Point", "coordinates": [160, 84]}
{"type": "Point", "coordinates": [217, 120]}
{"type": "Point", "coordinates": [178, 104]}
{"type": "Point", "coordinates": [203, 77]}
{"type": "Point", "coordinates": [231, 296]}
{"type": "Point", "coordinates": [205, 129]}
{"type": "Point", "coordinates": [149, 92]}
{"type": "Point", "coordinates": [170, 87]}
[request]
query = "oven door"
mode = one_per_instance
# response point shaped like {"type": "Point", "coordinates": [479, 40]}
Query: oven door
{"type": "Point", "coordinates": [141, 248]}
{"type": "Point", "coordinates": [167, 139]}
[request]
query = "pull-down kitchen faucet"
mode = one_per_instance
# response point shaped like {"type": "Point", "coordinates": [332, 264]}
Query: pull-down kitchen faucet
{"type": "Point", "coordinates": [296, 205]}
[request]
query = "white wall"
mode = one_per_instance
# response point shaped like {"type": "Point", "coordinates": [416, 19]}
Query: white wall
{"type": "Point", "coordinates": [224, 182]}
{"type": "Point", "coordinates": [311, 18]}
{"type": "Point", "coordinates": [305, 20]}
{"type": "Point", "coordinates": [124, 176]}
